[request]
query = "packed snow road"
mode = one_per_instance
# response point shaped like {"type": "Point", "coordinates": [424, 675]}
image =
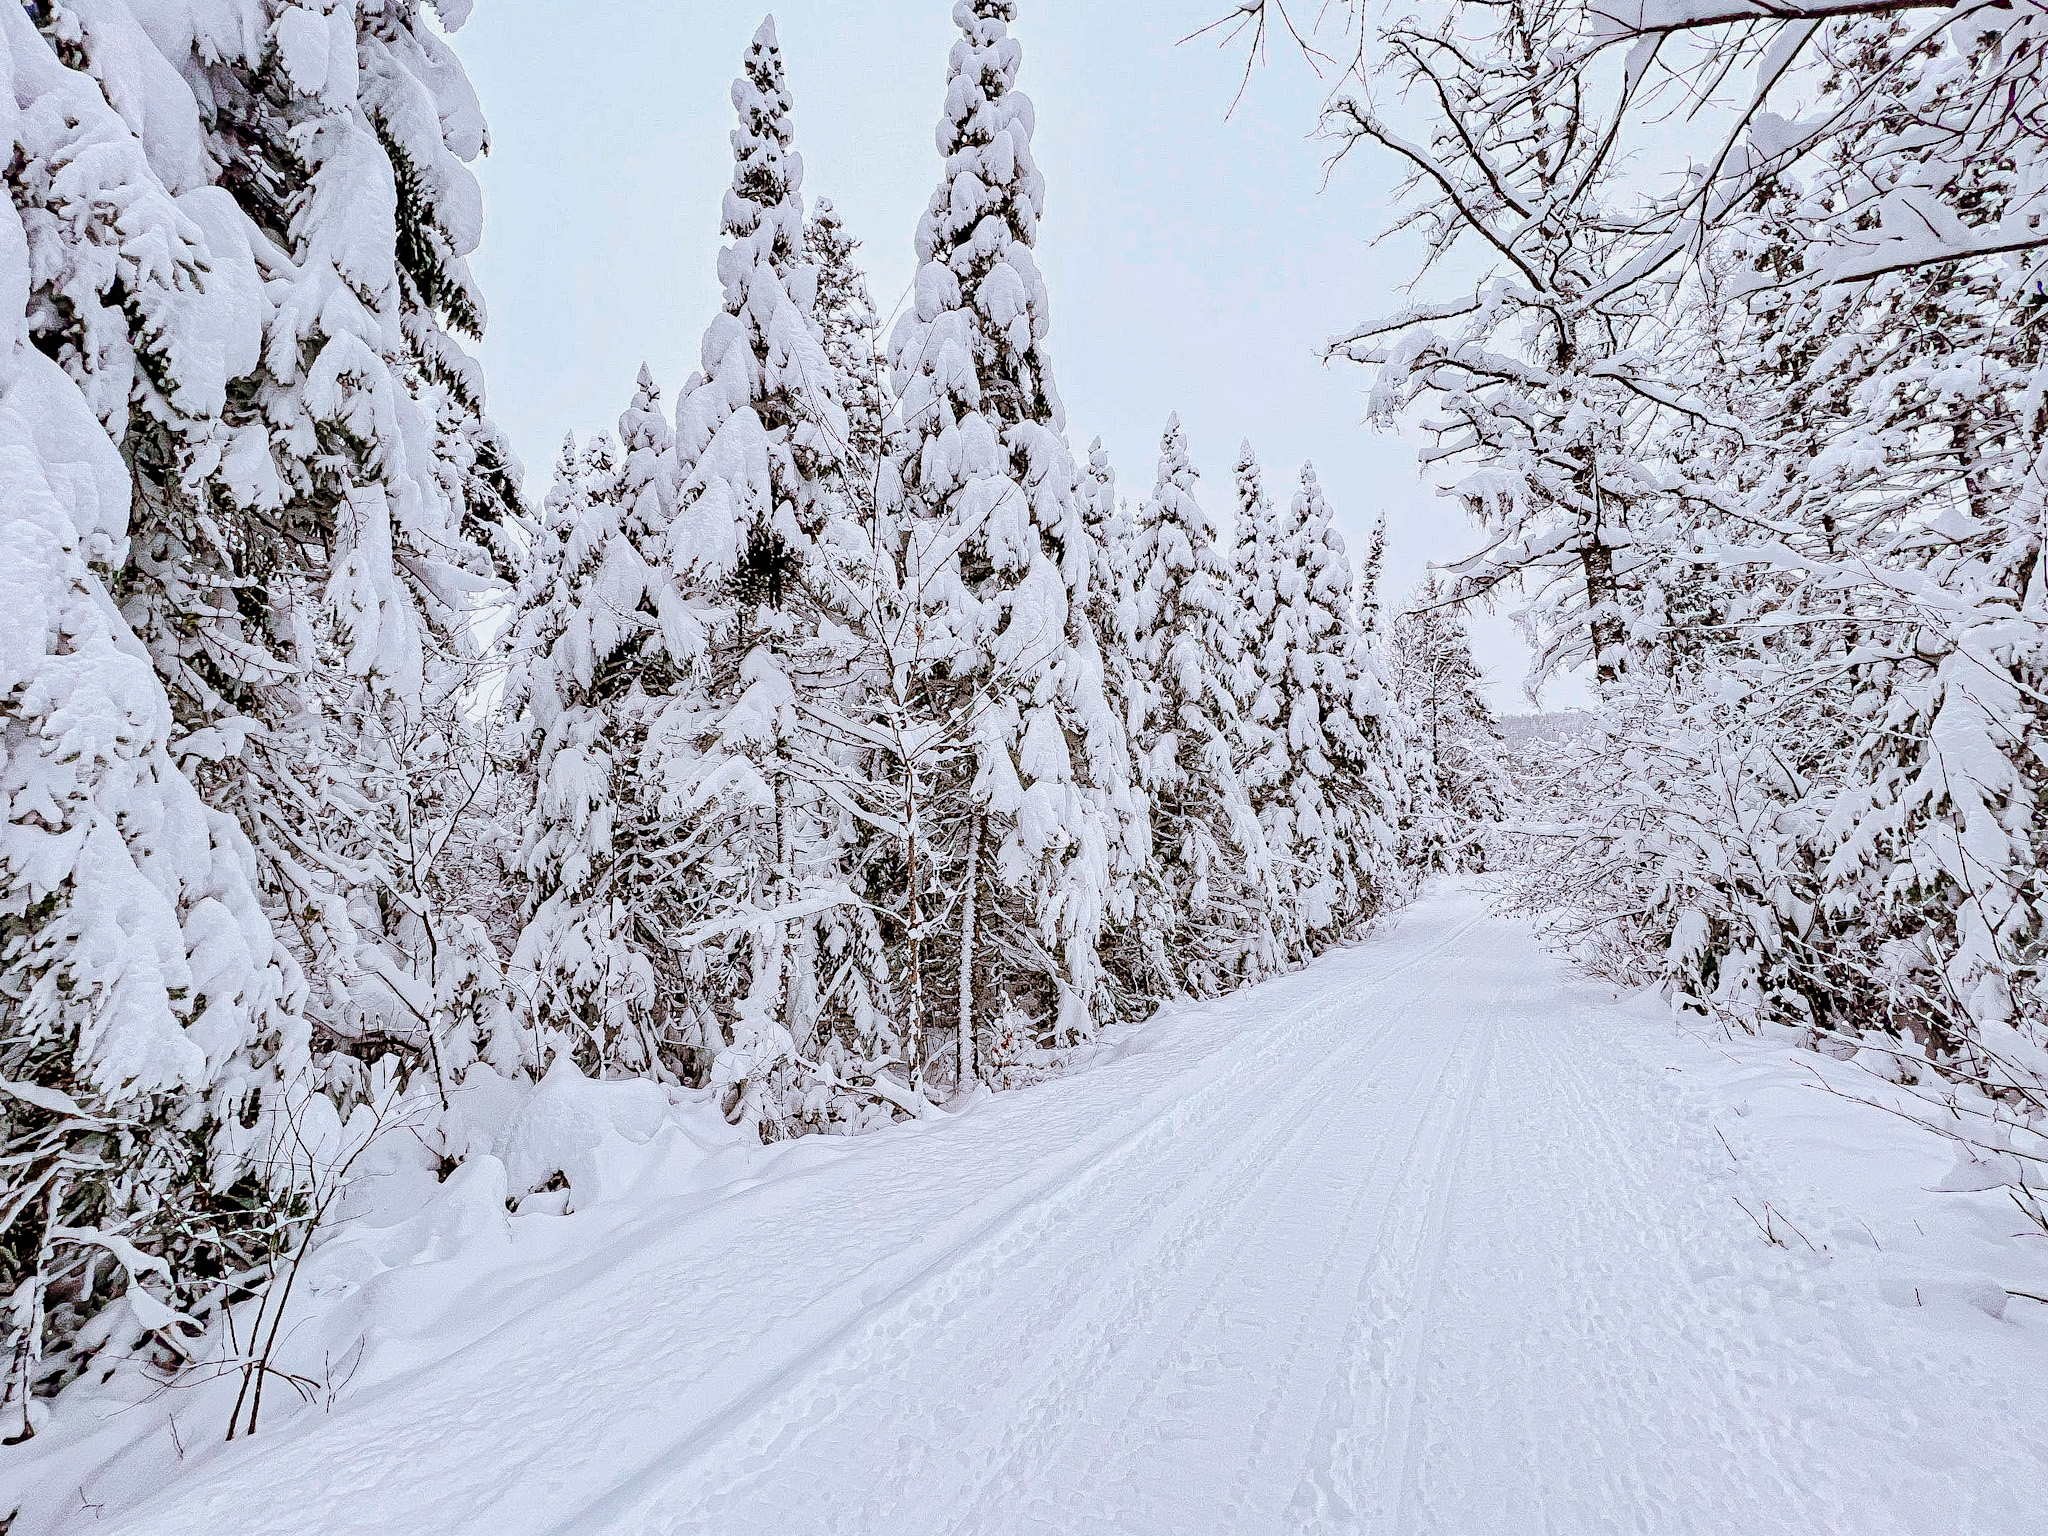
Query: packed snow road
{"type": "Point", "coordinates": [1421, 1239]}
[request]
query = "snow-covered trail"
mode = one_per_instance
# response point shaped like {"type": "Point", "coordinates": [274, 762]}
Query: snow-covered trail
{"type": "Point", "coordinates": [1420, 1239]}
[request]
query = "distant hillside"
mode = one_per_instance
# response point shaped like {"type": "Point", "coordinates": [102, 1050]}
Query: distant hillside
{"type": "Point", "coordinates": [1560, 726]}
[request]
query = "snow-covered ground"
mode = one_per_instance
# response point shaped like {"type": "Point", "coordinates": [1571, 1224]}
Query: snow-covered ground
{"type": "Point", "coordinates": [1430, 1237]}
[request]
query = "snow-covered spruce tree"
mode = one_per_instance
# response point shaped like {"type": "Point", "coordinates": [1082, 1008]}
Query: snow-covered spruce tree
{"type": "Point", "coordinates": [585, 650]}
{"type": "Point", "coordinates": [309, 537]}
{"type": "Point", "coordinates": [1370, 570]}
{"type": "Point", "coordinates": [145, 1013]}
{"type": "Point", "coordinates": [762, 510]}
{"type": "Point", "coordinates": [1142, 913]}
{"type": "Point", "coordinates": [1440, 691]}
{"type": "Point", "coordinates": [1323, 775]}
{"type": "Point", "coordinates": [1209, 850]}
{"type": "Point", "coordinates": [996, 558]}
{"type": "Point", "coordinates": [851, 332]}
{"type": "Point", "coordinates": [1254, 578]}
{"type": "Point", "coordinates": [1255, 587]}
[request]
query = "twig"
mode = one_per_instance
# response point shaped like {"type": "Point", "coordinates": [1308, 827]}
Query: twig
{"type": "Point", "coordinates": [1762, 1226]}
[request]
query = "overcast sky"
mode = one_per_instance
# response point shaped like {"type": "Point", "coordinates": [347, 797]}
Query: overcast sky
{"type": "Point", "coordinates": [1196, 259]}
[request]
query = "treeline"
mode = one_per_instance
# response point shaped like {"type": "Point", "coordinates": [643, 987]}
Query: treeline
{"type": "Point", "coordinates": [873, 746]}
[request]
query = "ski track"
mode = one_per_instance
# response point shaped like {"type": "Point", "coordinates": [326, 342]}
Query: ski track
{"type": "Point", "coordinates": [1412, 1243]}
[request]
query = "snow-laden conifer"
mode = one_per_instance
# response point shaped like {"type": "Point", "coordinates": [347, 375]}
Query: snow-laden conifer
{"type": "Point", "coordinates": [1324, 768]}
{"type": "Point", "coordinates": [1254, 577]}
{"type": "Point", "coordinates": [149, 1018]}
{"type": "Point", "coordinates": [589, 652]}
{"type": "Point", "coordinates": [1371, 569]}
{"type": "Point", "coordinates": [761, 430]}
{"type": "Point", "coordinates": [319, 495]}
{"type": "Point", "coordinates": [851, 332]}
{"type": "Point", "coordinates": [997, 561]}
{"type": "Point", "coordinates": [1441, 693]}
{"type": "Point", "coordinates": [1209, 852]}
{"type": "Point", "coordinates": [1142, 913]}
{"type": "Point", "coordinates": [761, 459]}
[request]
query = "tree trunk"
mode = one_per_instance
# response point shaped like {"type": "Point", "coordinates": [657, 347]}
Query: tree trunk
{"type": "Point", "coordinates": [27, 1353]}
{"type": "Point", "coordinates": [1603, 617]}
{"type": "Point", "coordinates": [968, 1066]}
{"type": "Point", "coordinates": [913, 1023]}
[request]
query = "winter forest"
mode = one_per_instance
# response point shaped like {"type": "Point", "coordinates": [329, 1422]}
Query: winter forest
{"type": "Point", "coordinates": [844, 742]}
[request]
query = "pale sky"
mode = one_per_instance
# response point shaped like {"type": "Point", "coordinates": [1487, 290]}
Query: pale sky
{"type": "Point", "coordinates": [1196, 260]}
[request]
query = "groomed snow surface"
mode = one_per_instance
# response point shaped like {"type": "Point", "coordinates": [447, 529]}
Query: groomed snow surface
{"type": "Point", "coordinates": [1430, 1237]}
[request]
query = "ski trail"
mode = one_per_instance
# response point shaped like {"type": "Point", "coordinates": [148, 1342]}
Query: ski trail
{"type": "Point", "coordinates": [1102, 1404]}
{"type": "Point", "coordinates": [1113, 1232]}
{"type": "Point", "coordinates": [1414, 1242]}
{"type": "Point", "coordinates": [1167, 1126]}
{"type": "Point", "coordinates": [1391, 1311]}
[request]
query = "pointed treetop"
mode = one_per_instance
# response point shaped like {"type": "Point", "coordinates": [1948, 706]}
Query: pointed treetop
{"type": "Point", "coordinates": [1099, 504]}
{"type": "Point", "coordinates": [1251, 488]}
{"type": "Point", "coordinates": [832, 248]}
{"type": "Point", "coordinates": [1174, 528]}
{"type": "Point", "coordinates": [645, 437]}
{"type": "Point", "coordinates": [1369, 574]}
{"type": "Point", "coordinates": [1313, 507]}
{"type": "Point", "coordinates": [974, 339]}
{"type": "Point", "coordinates": [1173, 452]}
{"type": "Point", "coordinates": [764, 424]}
{"type": "Point", "coordinates": [642, 425]}
{"type": "Point", "coordinates": [1255, 529]}
{"type": "Point", "coordinates": [767, 174]}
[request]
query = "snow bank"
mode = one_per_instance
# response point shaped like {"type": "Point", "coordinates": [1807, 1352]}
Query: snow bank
{"type": "Point", "coordinates": [404, 1275]}
{"type": "Point", "coordinates": [1838, 1166]}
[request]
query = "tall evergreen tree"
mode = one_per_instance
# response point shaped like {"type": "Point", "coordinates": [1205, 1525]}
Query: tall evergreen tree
{"type": "Point", "coordinates": [319, 502]}
{"type": "Point", "coordinates": [1325, 784]}
{"type": "Point", "coordinates": [762, 446]}
{"type": "Point", "coordinates": [1370, 571]}
{"type": "Point", "coordinates": [589, 655]}
{"type": "Point", "coordinates": [148, 1021]}
{"type": "Point", "coordinates": [1209, 850]}
{"type": "Point", "coordinates": [1441, 693]}
{"type": "Point", "coordinates": [851, 332]}
{"type": "Point", "coordinates": [1254, 578]}
{"type": "Point", "coordinates": [996, 560]}
{"type": "Point", "coordinates": [1142, 911]}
